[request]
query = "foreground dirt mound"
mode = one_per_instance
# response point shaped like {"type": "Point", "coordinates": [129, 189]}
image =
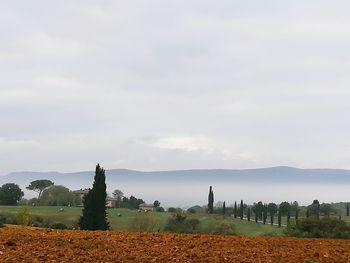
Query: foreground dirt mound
{"type": "Point", "coordinates": [19, 244]}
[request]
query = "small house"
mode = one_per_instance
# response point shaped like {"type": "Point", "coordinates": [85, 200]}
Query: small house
{"type": "Point", "coordinates": [147, 207]}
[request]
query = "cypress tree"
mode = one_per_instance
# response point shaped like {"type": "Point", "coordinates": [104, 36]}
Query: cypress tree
{"type": "Point", "coordinates": [256, 217]}
{"type": "Point", "coordinates": [347, 209]}
{"type": "Point", "coordinates": [288, 218]}
{"type": "Point", "coordinates": [248, 214]}
{"type": "Point", "coordinates": [297, 214]}
{"type": "Point", "coordinates": [210, 201]}
{"type": "Point", "coordinates": [264, 214]}
{"type": "Point", "coordinates": [241, 210]}
{"type": "Point", "coordinates": [94, 213]}
{"type": "Point", "coordinates": [224, 208]}
{"type": "Point", "coordinates": [235, 210]}
{"type": "Point", "coordinates": [271, 217]}
{"type": "Point", "coordinates": [279, 218]}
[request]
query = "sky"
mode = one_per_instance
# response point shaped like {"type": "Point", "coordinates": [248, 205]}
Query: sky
{"type": "Point", "coordinates": [163, 85]}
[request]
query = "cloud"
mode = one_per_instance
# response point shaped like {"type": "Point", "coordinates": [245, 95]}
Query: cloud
{"type": "Point", "coordinates": [239, 84]}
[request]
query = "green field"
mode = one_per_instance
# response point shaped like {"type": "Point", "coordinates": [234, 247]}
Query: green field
{"type": "Point", "coordinates": [131, 220]}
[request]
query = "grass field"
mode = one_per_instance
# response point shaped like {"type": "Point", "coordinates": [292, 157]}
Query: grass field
{"type": "Point", "coordinates": [131, 220]}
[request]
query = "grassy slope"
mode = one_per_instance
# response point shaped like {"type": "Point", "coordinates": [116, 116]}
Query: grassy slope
{"type": "Point", "coordinates": [70, 216]}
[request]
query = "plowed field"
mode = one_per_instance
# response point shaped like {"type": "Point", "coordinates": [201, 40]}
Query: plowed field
{"type": "Point", "coordinates": [19, 244]}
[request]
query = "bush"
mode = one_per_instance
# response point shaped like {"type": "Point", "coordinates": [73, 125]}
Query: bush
{"type": "Point", "coordinates": [326, 227]}
{"type": "Point", "coordinates": [160, 209]}
{"type": "Point", "coordinates": [223, 227]}
{"type": "Point", "coordinates": [172, 209]}
{"type": "Point", "coordinates": [58, 226]}
{"type": "Point", "coordinates": [8, 218]}
{"type": "Point", "coordinates": [179, 223]}
{"type": "Point", "coordinates": [24, 218]}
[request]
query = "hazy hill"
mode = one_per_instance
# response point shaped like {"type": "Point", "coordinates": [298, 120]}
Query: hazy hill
{"type": "Point", "coordinates": [162, 183]}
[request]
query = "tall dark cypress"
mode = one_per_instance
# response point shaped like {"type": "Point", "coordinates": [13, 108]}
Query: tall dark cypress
{"type": "Point", "coordinates": [264, 214]}
{"type": "Point", "coordinates": [94, 213]}
{"type": "Point", "coordinates": [241, 210]}
{"type": "Point", "coordinates": [279, 217]}
{"type": "Point", "coordinates": [288, 218]}
{"type": "Point", "coordinates": [347, 209]}
{"type": "Point", "coordinates": [235, 210]}
{"type": "Point", "coordinates": [210, 201]}
{"type": "Point", "coordinates": [297, 214]}
{"type": "Point", "coordinates": [224, 208]}
{"type": "Point", "coordinates": [248, 214]}
{"type": "Point", "coordinates": [256, 217]}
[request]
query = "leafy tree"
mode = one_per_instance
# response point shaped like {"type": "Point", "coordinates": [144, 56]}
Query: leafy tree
{"type": "Point", "coordinates": [279, 217]}
{"type": "Point", "coordinates": [39, 186]}
{"type": "Point", "coordinates": [10, 194]}
{"type": "Point", "coordinates": [94, 213]}
{"type": "Point", "coordinates": [224, 208]}
{"type": "Point", "coordinates": [241, 210]}
{"type": "Point", "coordinates": [284, 207]}
{"type": "Point", "coordinates": [258, 209]}
{"type": "Point", "coordinates": [57, 195]}
{"type": "Point", "coordinates": [347, 209]}
{"type": "Point", "coordinates": [248, 214]}
{"type": "Point", "coordinates": [295, 209]}
{"type": "Point", "coordinates": [326, 209]}
{"type": "Point", "coordinates": [118, 195]}
{"type": "Point", "coordinates": [314, 208]}
{"type": "Point", "coordinates": [264, 214]}
{"type": "Point", "coordinates": [210, 201]}
{"type": "Point", "coordinates": [235, 210]}
{"type": "Point", "coordinates": [288, 218]}
{"type": "Point", "coordinates": [272, 208]}
{"type": "Point", "coordinates": [156, 203]}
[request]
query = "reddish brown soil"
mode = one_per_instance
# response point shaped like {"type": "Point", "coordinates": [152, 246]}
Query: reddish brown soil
{"type": "Point", "coordinates": [19, 244]}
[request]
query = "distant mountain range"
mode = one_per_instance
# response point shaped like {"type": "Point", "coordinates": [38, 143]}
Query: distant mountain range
{"type": "Point", "coordinates": [192, 183]}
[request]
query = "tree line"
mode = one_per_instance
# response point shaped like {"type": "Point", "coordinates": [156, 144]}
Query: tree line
{"type": "Point", "coordinates": [262, 212]}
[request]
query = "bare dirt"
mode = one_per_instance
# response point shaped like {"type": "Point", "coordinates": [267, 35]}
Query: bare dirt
{"type": "Point", "coordinates": [20, 244]}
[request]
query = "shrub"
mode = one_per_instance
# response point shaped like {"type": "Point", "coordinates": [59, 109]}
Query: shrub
{"type": "Point", "coordinates": [225, 228]}
{"type": "Point", "coordinates": [160, 209]}
{"type": "Point", "coordinates": [179, 223]}
{"type": "Point", "coordinates": [8, 218]}
{"type": "Point", "coordinates": [172, 209]}
{"type": "Point", "coordinates": [58, 226]}
{"type": "Point", "coordinates": [325, 227]}
{"type": "Point", "coordinates": [24, 218]}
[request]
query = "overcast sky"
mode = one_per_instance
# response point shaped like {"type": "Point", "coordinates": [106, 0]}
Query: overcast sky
{"type": "Point", "coordinates": [158, 85]}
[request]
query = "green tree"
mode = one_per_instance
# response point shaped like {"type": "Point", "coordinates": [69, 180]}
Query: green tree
{"type": "Point", "coordinates": [10, 194]}
{"type": "Point", "coordinates": [347, 209]}
{"type": "Point", "coordinates": [241, 210]}
{"type": "Point", "coordinates": [326, 209]}
{"type": "Point", "coordinates": [295, 209]}
{"type": "Point", "coordinates": [264, 214]}
{"type": "Point", "coordinates": [210, 201]}
{"type": "Point", "coordinates": [57, 195]}
{"type": "Point", "coordinates": [258, 209]}
{"type": "Point", "coordinates": [314, 209]}
{"type": "Point", "coordinates": [224, 208]}
{"type": "Point", "coordinates": [118, 195]}
{"type": "Point", "coordinates": [94, 213]}
{"type": "Point", "coordinates": [39, 186]}
{"type": "Point", "coordinates": [279, 217]}
{"type": "Point", "coordinates": [156, 203]}
{"type": "Point", "coordinates": [284, 207]}
{"type": "Point", "coordinates": [272, 208]}
{"type": "Point", "coordinates": [248, 214]}
{"type": "Point", "coordinates": [235, 210]}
